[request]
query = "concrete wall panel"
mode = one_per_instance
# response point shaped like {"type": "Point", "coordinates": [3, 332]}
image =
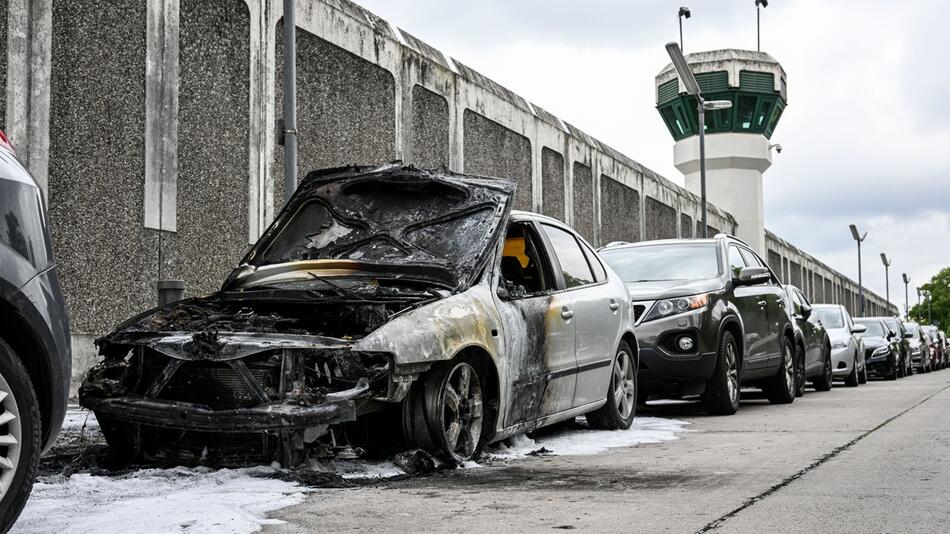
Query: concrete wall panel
{"type": "Point", "coordinates": [346, 109]}
{"type": "Point", "coordinates": [686, 226]}
{"type": "Point", "coordinates": [108, 261]}
{"type": "Point", "coordinates": [494, 150]}
{"type": "Point", "coordinates": [552, 183]}
{"type": "Point", "coordinates": [212, 145]}
{"type": "Point", "coordinates": [660, 221]}
{"type": "Point", "coordinates": [430, 129]}
{"type": "Point", "coordinates": [622, 206]}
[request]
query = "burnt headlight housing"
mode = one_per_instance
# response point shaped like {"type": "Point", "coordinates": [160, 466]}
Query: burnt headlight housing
{"type": "Point", "coordinates": [669, 307]}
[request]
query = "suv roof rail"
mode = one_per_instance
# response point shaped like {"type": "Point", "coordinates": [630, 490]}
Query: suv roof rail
{"type": "Point", "coordinates": [615, 244]}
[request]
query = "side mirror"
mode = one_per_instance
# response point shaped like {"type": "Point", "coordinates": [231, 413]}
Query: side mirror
{"type": "Point", "coordinates": [750, 276]}
{"type": "Point", "coordinates": [908, 335]}
{"type": "Point", "coordinates": [806, 312]}
{"type": "Point", "coordinates": [859, 329]}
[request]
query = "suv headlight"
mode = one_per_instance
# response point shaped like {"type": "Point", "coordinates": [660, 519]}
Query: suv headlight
{"type": "Point", "coordinates": [839, 345]}
{"type": "Point", "coordinates": [668, 307]}
{"type": "Point", "coordinates": [881, 351]}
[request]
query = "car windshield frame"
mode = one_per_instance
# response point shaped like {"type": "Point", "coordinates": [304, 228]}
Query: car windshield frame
{"type": "Point", "coordinates": [616, 258]}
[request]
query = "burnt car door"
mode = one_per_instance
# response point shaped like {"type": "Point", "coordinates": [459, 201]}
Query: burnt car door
{"type": "Point", "coordinates": [596, 312]}
{"type": "Point", "coordinates": [539, 329]}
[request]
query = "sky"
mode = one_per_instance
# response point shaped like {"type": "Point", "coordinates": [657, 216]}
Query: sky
{"type": "Point", "coordinates": [866, 136]}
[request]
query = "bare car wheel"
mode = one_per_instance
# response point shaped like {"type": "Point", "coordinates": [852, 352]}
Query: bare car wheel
{"type": "Point", "coordinates": [621, 405]}
{"type": "Point", "coordinates": [19, 436]}
{"type": "Point", "coordinates": [454, 409]}
{"type": "Point", "coordinates": [782, 388]}
{"type": "Point", "coordinates": [721, 396]}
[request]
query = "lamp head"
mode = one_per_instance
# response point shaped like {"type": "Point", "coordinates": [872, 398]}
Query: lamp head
{"type": "Point", "coordinates": [684, 12]}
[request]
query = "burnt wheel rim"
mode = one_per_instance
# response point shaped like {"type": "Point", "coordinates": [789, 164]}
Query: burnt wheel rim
{"type": "Point", "coordinates": [732, 373]}
{"type": "Point", "coordinates": [462, 411]}
{"type": "Point", "coordinates": [11, 436]}
{"type": "Point", "coordinates": [624, 385]}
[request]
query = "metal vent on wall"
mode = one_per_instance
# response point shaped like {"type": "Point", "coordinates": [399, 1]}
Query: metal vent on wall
{"type": "Point", "coordinates": [759, 82]}
{"type": "Point", "coordinates": [667, 91]}
{"type": "Point", "coordinates": [713, 82]}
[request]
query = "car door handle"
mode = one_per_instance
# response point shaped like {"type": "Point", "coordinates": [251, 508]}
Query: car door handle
{"type": "Point", "coordinates": [614, 306]}
{"type": "Point", "coordinates": [566, 313]}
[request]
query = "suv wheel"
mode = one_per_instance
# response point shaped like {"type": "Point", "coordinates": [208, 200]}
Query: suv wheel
{"type": "Point", "coordinates": [20, 428]}
{"type": "Point", "coordinates": [799, 371]}
{"type": "Point", "coordinates": [618, 412]}
{"type": "Point", "coordinates": [863, 377]}
{"type": "Point", "coordinates": [782, 388]}
{"type": "Point", "coordinates": [824, 382]}
{"type": "Point", "coordinates": [721, 396]}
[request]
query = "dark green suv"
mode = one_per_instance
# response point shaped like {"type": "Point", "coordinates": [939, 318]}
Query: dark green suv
{"type": "Point", "coordinates": [710, 318]}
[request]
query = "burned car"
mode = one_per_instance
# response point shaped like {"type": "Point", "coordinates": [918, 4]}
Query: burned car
{"type": "Point", "coordinates": [383, 303]}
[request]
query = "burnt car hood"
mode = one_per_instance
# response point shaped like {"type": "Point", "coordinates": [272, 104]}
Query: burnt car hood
{"type": "Point", "coordinates": [395, 219]}
{"type": "Point", "coordinates": [664, 289]}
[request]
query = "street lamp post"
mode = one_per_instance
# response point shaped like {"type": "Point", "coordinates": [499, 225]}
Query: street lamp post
{"type": "Point", "coordinates": [906, 300]}
{"type": "Point", "coordinates": [692, 88]}
{"type": "Point", "coordinates": [683, 14]}
{"type": "Point", "coordinates": [758, 27]}
{"type": "Point", "coordinates": [887, 277]}
{"type": "Point", "coordinates": [859, 238]}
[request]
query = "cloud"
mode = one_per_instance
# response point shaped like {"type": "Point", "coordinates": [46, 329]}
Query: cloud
{"type": "Point", "coordinates": [865, 135]}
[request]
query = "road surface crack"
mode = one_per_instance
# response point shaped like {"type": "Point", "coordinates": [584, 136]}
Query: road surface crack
{"type": "Point", "coordinates": [716, 523]}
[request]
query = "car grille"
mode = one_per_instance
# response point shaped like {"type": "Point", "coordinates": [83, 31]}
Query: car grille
{"type": "Point", "coordinates": [212, 384]}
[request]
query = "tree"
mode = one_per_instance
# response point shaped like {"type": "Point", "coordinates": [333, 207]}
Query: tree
{"type": "Point", "coordinates": [939, 305]}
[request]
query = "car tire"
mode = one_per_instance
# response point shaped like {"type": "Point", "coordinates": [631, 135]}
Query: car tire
{"type": "Point", "coordinates": [781, 390]}
{"type": "Point", "coordinates": [723, 389]}
{"type": "Point", "coordinates": [826, 380]}
{"type": "Point", "coordinates": [20, 433]}
{"type": "Point", "coordinates": [799, 371]}
{"type": "Point", "coordinates": [621, 406]}
{"type": "Point", "coordinates": [852, 379]}
{"type": "Point", "coordinates": [863, 376]}
{"type": "Point", "coordinates": [444, 412]}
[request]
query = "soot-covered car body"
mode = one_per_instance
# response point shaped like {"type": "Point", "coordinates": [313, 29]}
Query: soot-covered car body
{"type": "Point", "coordinates": [376, 293]}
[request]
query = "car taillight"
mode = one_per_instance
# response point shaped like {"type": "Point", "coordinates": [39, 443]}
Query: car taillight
{"type": "Point", "coordinates": [6, 142]}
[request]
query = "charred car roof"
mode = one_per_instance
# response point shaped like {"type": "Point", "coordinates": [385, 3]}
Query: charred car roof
{"type": "Point", "coordinates": [395, 219]}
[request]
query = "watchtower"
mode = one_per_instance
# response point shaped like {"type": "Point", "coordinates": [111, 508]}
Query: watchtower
{"type": "Point", "coordinates": [738, 146]}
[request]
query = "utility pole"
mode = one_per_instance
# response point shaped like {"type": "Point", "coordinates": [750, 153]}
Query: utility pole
{"type": "Point", "coordinates": [859, 238]}
{"type": "Point", "coordinates": [683, 13]}
{"type": "Point", "coordinates": [289, 133]}
{"type": "Point", "coordinates": [758, 26]}
{"type": "Point", "coordinates": [906, 300]}
{"type": "Point", "coordinates": [887, 277]}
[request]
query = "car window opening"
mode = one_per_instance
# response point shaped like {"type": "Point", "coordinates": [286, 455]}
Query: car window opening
{"type": "Point", "coordinates": [523, 270]}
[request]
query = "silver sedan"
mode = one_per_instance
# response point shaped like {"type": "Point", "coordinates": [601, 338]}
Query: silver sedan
{"type": "Point", "coordinates": [847, 347]}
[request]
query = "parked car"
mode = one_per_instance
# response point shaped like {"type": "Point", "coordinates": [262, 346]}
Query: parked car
{"type": "Point", "coordinates": [812, 344]}
{"type": "Point", "coordinates": [945, 347]}
{"type": "Point", "coordinates": [710, 317]}
{"type": "Point", "coordinates": [936, 347]}
{"type": "Point", "coordinates": [387, 295]}
{"type": "Point", "coordinates": [847, 348]}
{"type": "Point", "coordinates": [920, 355]}
{"type": "Point", "coordinates": [900, 335]}
{"type": "Point", "coordinates": [35, 361]}
{"type": "Point", "coordinates": [881, 348]}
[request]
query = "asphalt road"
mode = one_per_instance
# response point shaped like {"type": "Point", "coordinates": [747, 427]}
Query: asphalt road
{"type": "Point", "coordinates": [869, 459]}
